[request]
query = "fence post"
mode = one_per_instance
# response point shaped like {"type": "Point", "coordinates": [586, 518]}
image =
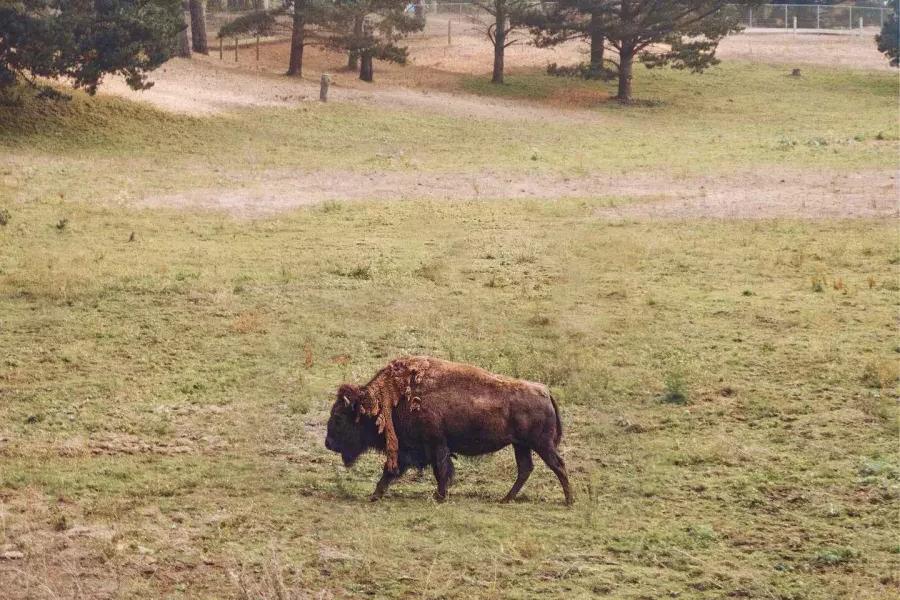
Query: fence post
{"type": "Point", "coordinates": [851, 18]}
{"type": "Point", "coordinates": [785, 17]}
{"type": "Point", "coordinates": [795, 25]}
{"type": "Point", "coordinates": [221, 48]}
{"type": "Point", "coordinates": [860, 25]}
{"type": "Point", "coordinates": [751, 17]}
{"type": "Point", "coordinates": [818, 10]}
{"type": "Point", "coordinates": [324, 82]}
{"type": "Point", "coordinates": [881, 12]}
{"type": "Point", "coordinates": [449, 23]}
{"type": "Point", "coordinates": [235, 49]}
{"type": "Point", "coordinates": [257, 47]}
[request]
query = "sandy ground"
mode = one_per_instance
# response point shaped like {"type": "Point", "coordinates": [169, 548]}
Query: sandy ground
{"type": "Point", "coordinates": [799, 194]}
{"type": "Point", "coordinates": [206, 85]}
{"type": "Point", "coordinates": [202, 86]}
{"type": "Point", "coordinates": [850, 51]}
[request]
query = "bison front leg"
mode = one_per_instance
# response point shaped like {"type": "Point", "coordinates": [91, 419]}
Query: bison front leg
{"type": "Point", "coordinates": [387, 477]}
{"type": "Point", "coordinates": [443, 471]}
{"type": "Point", "coordinates": [525, 465]}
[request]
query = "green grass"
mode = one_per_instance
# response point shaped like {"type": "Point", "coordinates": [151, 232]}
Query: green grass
{"type": "Point", "coordinates": [163, 402]}
{"type": "Point", "coordinates": [728, 389]}
{"type": "Point", "coordinates": [736, 116]}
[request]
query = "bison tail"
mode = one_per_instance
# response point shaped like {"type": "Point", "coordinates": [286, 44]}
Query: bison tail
{"type": "Point", "coordinates": [559, 431]}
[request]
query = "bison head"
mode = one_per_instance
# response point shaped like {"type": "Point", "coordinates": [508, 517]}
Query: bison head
{"type": "Point", "coordinates": [349, 432]}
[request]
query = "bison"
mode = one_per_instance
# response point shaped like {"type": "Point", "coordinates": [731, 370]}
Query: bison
{"type": "Point", "coordinates": [423, 411]}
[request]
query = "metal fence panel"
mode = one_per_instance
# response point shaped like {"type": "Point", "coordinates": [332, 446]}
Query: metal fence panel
{"type": "Point", "coordinates": [766, 16]}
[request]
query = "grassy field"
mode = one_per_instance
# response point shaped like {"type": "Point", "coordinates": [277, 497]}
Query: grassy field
{"type": "Point", "coordinates": [728, 392]}
{"type": "Point", "coordinates": [737, 116]}
{"type": "Point", "coordinates": [728, 389]}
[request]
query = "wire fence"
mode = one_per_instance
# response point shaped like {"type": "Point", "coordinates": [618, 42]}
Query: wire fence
{"type": "Point", "coordinates": [765, 16]}
{"type": "Point", "coordinates": [810, 16]}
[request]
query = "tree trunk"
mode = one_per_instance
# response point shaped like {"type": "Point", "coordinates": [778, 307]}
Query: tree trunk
{"type": "Point", "coordinates": [198, 26]}
{"type": "Point", "coordinates": [366, 72]}
{"type": "Point", "coordinates": [183, 43]}
{"type": "Point", "coordinates": [298, 33]}
{"type": "Point", "coordinates": [499, 40]}
{"type": "Point", "coordinates": [353, 56]}
{"type": "Point", "coordinates": [597, 40]}
{"type": "Point", "coordinates": [626, 61]}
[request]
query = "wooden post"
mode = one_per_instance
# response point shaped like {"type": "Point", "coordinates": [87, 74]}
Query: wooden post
{"type": "Point", "coordinates": [449, 42]}
{"type": "Point", "coordinates": [221, 48]}
{"type": "Point", "coordinates": [785, 17]}
{"type": "Point", "coordinates": [257, 47]}
{"type": "Point", "coordinates": [795, 25]}
{"type": "Point", "coordinates": [235, 49]}
{"type": "Point", "coordinates": [324, 84]}
{"type": "Point", "coordinates": [860, 25]}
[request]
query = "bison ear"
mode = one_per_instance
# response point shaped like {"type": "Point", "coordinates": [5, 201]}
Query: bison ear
{"type": "Point", "coordinates": [349, 395]}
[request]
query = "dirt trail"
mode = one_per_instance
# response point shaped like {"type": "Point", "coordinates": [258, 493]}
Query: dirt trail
{"type": "Point", "coordinates": [201, 86]}
{"type": "Point", "coordinates": [796, 194]}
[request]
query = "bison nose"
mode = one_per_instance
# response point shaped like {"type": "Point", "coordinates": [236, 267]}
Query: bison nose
{"type": "Point", "coordinates": [329, 444]}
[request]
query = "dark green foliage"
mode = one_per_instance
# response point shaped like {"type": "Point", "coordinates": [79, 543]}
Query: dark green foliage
{"type": "Point", "coordinates": [383, 24]}
{"type": "Point", "coordinates": [259, 22]}
{"type": "Point", "coordinates": [889, 39]}
{"type": "Point", "coordinates": [569, 20]}
{"type": "Point", "coordinates": [682, 34]}
{"type": "Point", "coordinates": [83, 40]}
{"type": "Point", "coordinates": [580, 70]}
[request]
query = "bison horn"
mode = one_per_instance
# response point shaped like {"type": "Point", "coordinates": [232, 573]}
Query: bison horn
{"type": "Point", "coordinates": [347, 400]}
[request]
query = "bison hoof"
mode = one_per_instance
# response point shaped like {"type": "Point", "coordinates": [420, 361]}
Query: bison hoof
{"type": "Point", "coordinates": [439, 498]}
{"type": "Point", "coordinates": [374, 497]}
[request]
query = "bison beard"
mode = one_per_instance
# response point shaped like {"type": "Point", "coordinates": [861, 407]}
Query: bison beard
{"type": "Point", "coordinates": [422, 411]}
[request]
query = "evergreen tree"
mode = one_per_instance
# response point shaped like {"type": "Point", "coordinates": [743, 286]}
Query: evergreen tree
{"type": "Point", "coordinates": [83, 40]}
{"type": "Point", "coordinates": [507, 16]}
{"type": "Point", "coordinates": [683, 34]}
{"type": "Point", "coordinates": [198, 26]}
{"type": "Point", "coordinates": [370, 30]}
{"type": "Point", "coordinates": [568, 20]}
{"type": "Point", "coordinates": [888, 40]}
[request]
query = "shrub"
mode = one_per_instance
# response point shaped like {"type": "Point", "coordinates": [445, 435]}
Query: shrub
{"type": "Point", "coordinates": [675, 392]}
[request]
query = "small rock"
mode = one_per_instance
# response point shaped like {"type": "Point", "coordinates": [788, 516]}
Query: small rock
{"type": "Point", "coordinates": [12, 555]}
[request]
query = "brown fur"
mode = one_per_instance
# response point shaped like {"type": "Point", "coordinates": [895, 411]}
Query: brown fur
{"type": "Point", "coordinates": [422, 409]}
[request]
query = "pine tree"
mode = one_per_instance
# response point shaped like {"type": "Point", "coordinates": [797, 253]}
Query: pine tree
{"type": "Point", "coordinates": [507, 16]}
{"type": "Point", "coordinates": [568, 20]}
{"type": "Point", "coordinates": [198, 26]}
{"type": "Point", "coordinates": [888, 40]}
{"type": "Point", "coordinates": [371, 30]}
{"type": "Point", "coordinates": [683, 34]}
{"type": "Point", "coordinates": [83, 40]}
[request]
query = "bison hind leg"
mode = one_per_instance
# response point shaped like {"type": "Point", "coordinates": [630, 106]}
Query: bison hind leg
{"type": "Point", "coordinates": [553, 460]}
{"type": "Point", "coordinates": [525, 466]}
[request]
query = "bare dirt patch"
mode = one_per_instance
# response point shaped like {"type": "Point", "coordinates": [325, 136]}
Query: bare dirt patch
{"type": "Point", "coordinates": [203, 86]}
{"type": "Point", "coordinates": [754, 195]}
{"type": "Point", "coordinates": [848, 51]}
{"type": "Point", "coordinates": [751, 195]}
